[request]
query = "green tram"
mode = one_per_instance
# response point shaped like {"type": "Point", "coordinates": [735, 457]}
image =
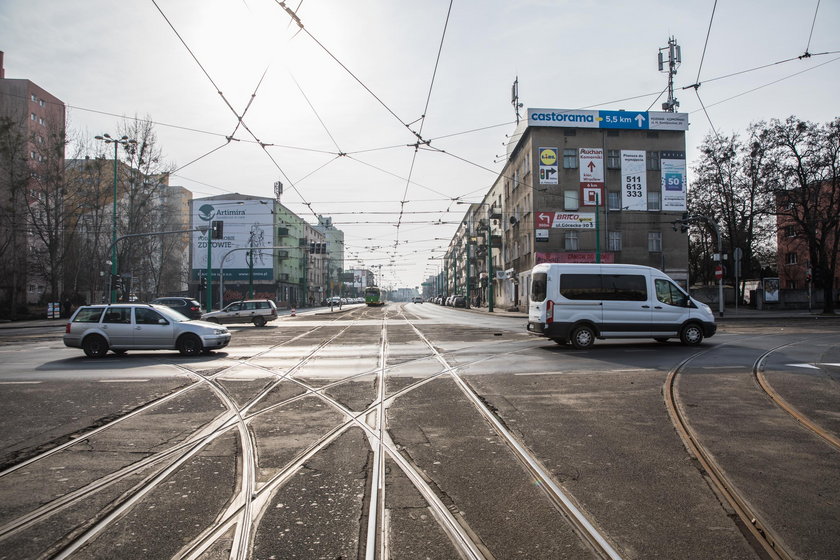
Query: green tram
{"type": "Point", "coordinates": [374, 296]}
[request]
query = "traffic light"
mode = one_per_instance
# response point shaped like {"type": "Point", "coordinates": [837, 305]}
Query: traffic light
{"type": "Point", "coordinates": [684, 223]}
{"type": "Point", "coordinates": [217, 227]}
{"type": "Point", "coordinates": [202, 282]}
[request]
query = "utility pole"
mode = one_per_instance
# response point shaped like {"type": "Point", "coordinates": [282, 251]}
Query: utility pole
{"type": "Point", "coordinates": [674, 61]}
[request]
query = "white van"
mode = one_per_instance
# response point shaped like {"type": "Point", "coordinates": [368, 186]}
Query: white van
{"type": "Point", "coordinates": [578, 303]}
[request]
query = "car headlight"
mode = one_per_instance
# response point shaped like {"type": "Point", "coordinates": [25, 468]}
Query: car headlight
{"type": "Point", "coordinates": [220, 331]}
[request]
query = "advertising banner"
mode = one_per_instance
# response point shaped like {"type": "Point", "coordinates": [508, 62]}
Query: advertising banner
{"type": "Point", "coordinates": [633, 180]}
{"type": "Point", "coordinates": [591, 176]}
{"type": "Point", "coordinates": [632, 120]}
{"type": "Point", "coordinates": [549, 170]}
{"type": "Point", "coordinates": [579, 257]}
{"type": "Point", "coordinates": [673, 181]}
{"type": "Point", "coordinates": [246, 223]}
{"type": "Point", "coordinates": [565, 220]}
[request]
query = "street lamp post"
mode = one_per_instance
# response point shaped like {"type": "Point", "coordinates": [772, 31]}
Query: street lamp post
{"type": "Point", "coordinates": [125, 141]}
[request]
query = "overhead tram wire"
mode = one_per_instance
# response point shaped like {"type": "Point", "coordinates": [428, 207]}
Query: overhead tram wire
{"type": "Point", "coordinates": [705, 45]}
{"type": "Point", "coordinates": [240, 118]}
{"type": "Point", "coordinates": [811, 34]}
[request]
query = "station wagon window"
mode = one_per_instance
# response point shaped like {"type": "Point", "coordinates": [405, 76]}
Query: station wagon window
{"type": "Point", "coordinates": [539, 283]}
{"type": "Point", "coordinates": [88, 315]}
{"type": "Point", "coordinates": [249, 306]}
{"type": "Point", "coordinates": [233, 307]}
{"type": "Point", "coordinates": [144, 316]}
{"type": "Point", "coordinates": [668, 293]}
{"type": "Point", "coordinates": [117, 315]}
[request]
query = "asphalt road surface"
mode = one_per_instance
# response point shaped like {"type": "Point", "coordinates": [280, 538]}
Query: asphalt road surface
{"type": "Point", "coordinates": [418, 431]}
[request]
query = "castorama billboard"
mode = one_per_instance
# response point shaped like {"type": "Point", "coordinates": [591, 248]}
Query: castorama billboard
{"type": "Point", "coordinates": [633, 120]}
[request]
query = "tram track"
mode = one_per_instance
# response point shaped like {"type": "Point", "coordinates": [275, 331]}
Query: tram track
{"type": "Point", "coordinates": [563, 501]}
{"type": "Point", "coordinates": [762, 536]}
{"type": "Point", "coordinates": [779, 400]}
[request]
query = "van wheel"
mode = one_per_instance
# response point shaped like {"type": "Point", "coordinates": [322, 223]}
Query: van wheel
{"type": "Point", "coordinates": [583, 337]}
{"type": "Point", "coordinates": [189, 345]}
{"type": "Point", "coordinates": [560, 341]}
{"type": "Point", "coordinates": [95, 346]}
{"type": "Point", "coordinates": [691, 334]}
{"type": "Point", "coordinates": [259, 321]}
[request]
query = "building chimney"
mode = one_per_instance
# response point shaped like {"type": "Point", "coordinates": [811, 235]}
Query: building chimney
{"type": "Point", "coordinates": [2, 69]}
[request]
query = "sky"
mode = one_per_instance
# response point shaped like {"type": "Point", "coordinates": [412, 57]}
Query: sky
{"type": "Point", "coordinates": [336, 110]}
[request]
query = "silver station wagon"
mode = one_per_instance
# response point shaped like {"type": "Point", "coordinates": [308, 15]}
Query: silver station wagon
{"type": "Point", "coordinates": [132, 326]}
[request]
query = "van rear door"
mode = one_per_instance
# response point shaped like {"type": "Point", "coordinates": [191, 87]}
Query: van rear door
{"type": "Point", "coordinates": [539, 291]}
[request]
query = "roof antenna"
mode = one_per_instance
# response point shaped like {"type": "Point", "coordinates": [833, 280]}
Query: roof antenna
{"type": "Point", "coordinates": [514, 98]}
{"type": "Point", "coordinates": [674, 61]}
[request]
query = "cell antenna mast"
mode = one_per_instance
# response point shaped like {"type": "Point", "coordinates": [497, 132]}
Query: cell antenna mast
{"type": "Point", "coordinates": [514, 98]}
{"type": "Point", "coordinates": [674, 61]}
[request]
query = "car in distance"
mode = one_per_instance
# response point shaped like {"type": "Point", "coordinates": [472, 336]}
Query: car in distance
{"type": "Point", "coordinates": [140, 326]}
{"type": "Point", "coordinates": [185, 306]}
{"type": "Point", "coordinates": [257, 311]}
{"type": "Point", "coordinates": [417, 299]}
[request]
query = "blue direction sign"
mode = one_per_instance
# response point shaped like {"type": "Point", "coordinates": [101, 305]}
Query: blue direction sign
{"type": "Point", "coordinates": [624, 119]}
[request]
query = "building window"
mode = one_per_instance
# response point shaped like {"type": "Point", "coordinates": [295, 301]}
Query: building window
{"type": "Point", "coordinates": [653, 161]}
{"type": "Point", "coordinates": [34, 98]}
{"type": "Point", "coordinates": [614, 241]}
{"type": "Point", "coordinates": [614, 200]}
{"type": "Point", "coordinates": [33, 117]}
{"type": "Point", "coordinates": [570, 158]}
{"type": "Point", "coordinates": [790, 231]}
{"type": "Point", "coordinates": [571, 241]}
{"type": "Point", "coordinates": [654, 200]}
{"type": "Point", "coordinates": [570, 199]}
{"type": "Point", "coordinates": [790, 258]}
{"type": "Point", "coordinates": [655, 241]}
{"type": "Point", "coordinates": [613, 159]}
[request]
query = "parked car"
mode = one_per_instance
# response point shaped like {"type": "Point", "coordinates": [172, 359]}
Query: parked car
{"type": "Point", "coordinates": [257, 311]}
{"type": "Point", "coordinates": [185, 306]}
{"type": "Point", "coordinates": [417, 299]}
{"type": "Point", "coordinates": [459, 301]}
{"type": "Point", "coordinates": [140, 326]}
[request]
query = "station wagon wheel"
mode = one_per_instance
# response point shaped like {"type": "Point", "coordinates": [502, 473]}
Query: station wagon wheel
{"type": "Point", "coordinates": [691, 334]}
{"type": "Point", "coordinates": [583, 337]}
{"type": "Point", "coordinates": [259, 321]}
{"type": "Point", "coordinates": [190, 345]}
{"type": "Point", "coordinates": [95, 346]}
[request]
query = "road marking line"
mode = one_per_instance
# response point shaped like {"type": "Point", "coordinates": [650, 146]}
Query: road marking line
{"type": "Point", "coordinates": [122, 380]}
{"type": "Point", "coordinates": [20, 382]}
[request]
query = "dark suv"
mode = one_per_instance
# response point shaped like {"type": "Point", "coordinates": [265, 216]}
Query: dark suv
{"type": "Point", "coordinates": [185, 306]}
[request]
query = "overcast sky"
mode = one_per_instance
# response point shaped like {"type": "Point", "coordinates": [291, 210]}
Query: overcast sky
{"type": "Point", "coordinates": [359, 76]}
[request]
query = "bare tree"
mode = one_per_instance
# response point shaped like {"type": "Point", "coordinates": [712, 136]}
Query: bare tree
{"type": "Point", "coordinates": [729, 189]}
{"type": "Point", "coordinates": [52, 209]}
{"type": "Point", "coordinates": [142, 208]}
{"type": "Point", "coordinates": [803, 164]}
{"type": "Point", "coordinates": [14, 178]}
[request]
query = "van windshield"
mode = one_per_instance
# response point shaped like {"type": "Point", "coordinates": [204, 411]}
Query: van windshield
{"type": "Point", "coordinates": [539, 281]}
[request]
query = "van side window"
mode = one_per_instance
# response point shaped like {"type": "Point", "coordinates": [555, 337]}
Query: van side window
{"type": "Point", "coordinates": [607, 287]}
{"type": "Point", "coordinates": [624, 287]}
{"type": "Point", "coordinates": [668, 293]}
{"type": "Point", "coordinates": [539, 286]}
{"type": "Point", "coordinates": [580, 286]}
